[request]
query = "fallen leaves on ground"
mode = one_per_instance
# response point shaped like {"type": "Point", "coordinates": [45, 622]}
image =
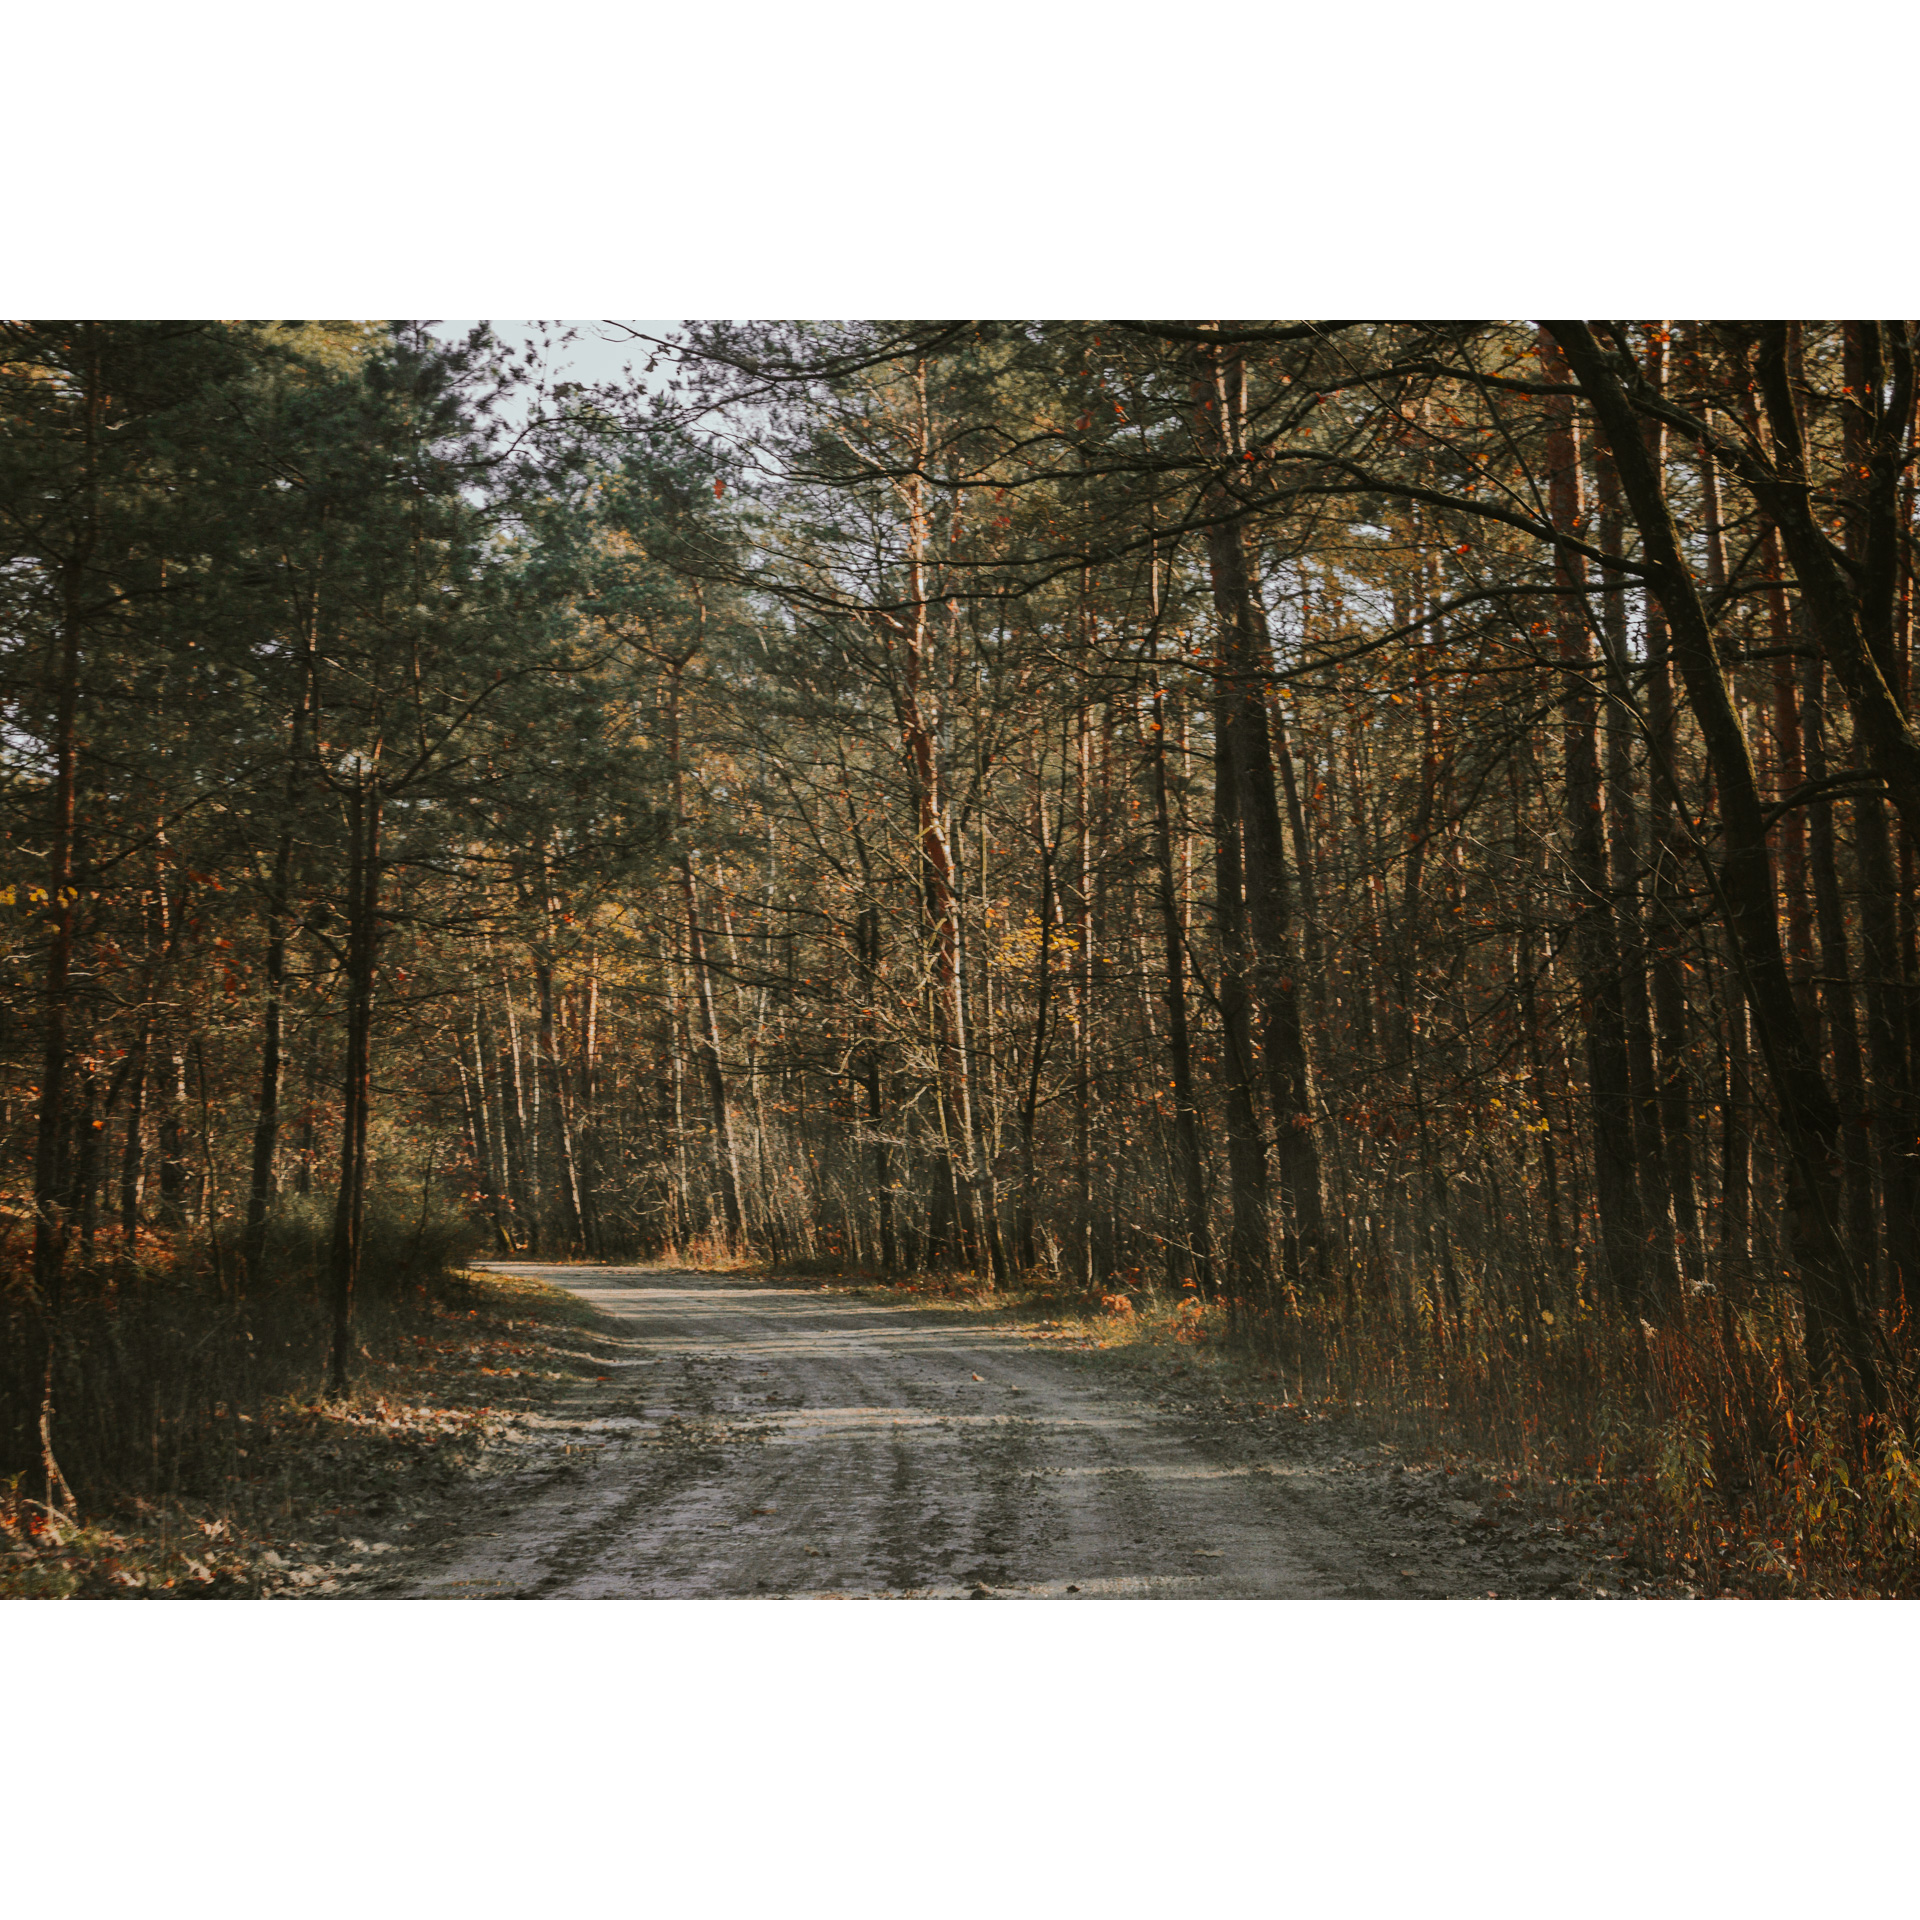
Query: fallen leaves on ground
{"type": "Point", "coordinates": [322, 1489]}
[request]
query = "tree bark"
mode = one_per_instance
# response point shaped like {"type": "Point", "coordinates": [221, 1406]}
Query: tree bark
{"type": "Point", "coordinates": [553, 1090]}
{"type": "Point", "coordinates": [1248, 1281]}
{"type": "Point", "coordinates": [1837, 1325]}
{"type": "Point", "coordinates": [1247, 747]}
{"type": "Point", "coordinates": [1651, 1164]}
{"type": "Point", "coordinates": [1083, 1260]}
{"type": "Point", "coordinates": [1667, 978]}
{"type": "Point", "coordinates": [1042, 1008]}
{"type": "Point", "coordinates": [1622, 1239]}
{"type": "Point", "coordinates": [350, 1199]}
{"type": "Point", "coordinates": [954, 1172]}
{"type": "Point", "coordinates": [1195, 1259]}
{"type": "Point", "coordinates": [1839, 1008]}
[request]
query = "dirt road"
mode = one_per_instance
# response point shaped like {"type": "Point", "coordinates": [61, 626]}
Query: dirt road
{"type": "Point", "coordinates": [759, 1438]}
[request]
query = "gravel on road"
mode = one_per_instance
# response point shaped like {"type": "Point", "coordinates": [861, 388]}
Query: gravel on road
{"type": "Point", "coordinates": [754, 1437]}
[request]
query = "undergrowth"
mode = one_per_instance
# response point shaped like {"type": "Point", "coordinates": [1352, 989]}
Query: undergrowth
{"type": "Point", "coordinates": [1702, 1438]}
{"type": "Point", "coordinates": [189, 1419]}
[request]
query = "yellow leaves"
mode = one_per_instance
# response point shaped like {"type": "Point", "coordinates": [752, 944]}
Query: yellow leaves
{"type": "Point", "coordinates": [22, 896]}
{"type": "Point", "coordinates": [1020, 946]}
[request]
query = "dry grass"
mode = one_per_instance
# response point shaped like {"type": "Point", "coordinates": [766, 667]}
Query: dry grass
{"type": "Point", "coordinates": [1702, 1440]}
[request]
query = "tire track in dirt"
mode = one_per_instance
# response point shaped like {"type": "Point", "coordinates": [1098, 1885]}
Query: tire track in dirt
{"type": "Point", "coordinates": [757, 1438]}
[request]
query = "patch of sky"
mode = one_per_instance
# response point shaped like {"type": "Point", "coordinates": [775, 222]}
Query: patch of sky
{"type": "Point", "coordinates": [587, 352]}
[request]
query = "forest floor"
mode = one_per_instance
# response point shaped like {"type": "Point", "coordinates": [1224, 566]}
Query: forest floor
{"type": "Point", "coordinates": [711, 1434]}
{"type": "Point", "coordinates": [302, 1493]}
{"type": "Point", "coordinates": [579, 1430]}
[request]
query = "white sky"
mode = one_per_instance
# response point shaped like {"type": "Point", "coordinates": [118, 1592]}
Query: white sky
{"type": "Point", "coordinates": [599, 352]}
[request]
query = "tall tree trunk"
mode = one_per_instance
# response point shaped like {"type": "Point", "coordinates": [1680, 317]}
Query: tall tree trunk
{"type": "Point", "coordinates": [673, 1095]}
{"type": "Point", "coordinates": [1622, 1238]}
{"type": "Point", "coordinates": [1248, 1281]}
{"type": "Point", "coordinates": [350, 1199]}
{"type": "Point", "coordinates": [522, 1194]}
{"type": "Point", "coordinates": [553, 1092]}
{"type": "Point", "coordinates": [1247, 747]}
{"type": "Point", "coordinates": [1887, 1051]}
{"type": "Point", "coordinates": [1527, 958]}
{"type": "Point", "coordinates": [1829, 1284]}
{"type": "Point", "coordinates": [132, 1155]}
{"type": "Point", "coordinates": [173, 1141]}
{"type": "Point", "coordinates": [488, 1144]}
{"type": "Point", "coordinates": [1871, 549]}
{"type": "Point", "coordinates": [1736, 1144]}
{"type": "Point", "coordinates": [1194, 1259]}
{"type": "Point", "coordinates": [869, 952]}
{"type": "Point", "coordinates": [1851, 593]}
{"type": "Point", "coordinates": [1083, 1260]}
{"type": "Point", "coordinates": [587, 1106]}
{"type": "Point", "coordinates": [867, 963]}
{"type": "Point", "coordinates": [1623, 832]}
{"type": "Point", "coordinates": [50, 1224]}
{"type": "Point", "coordinates": [1840, 1019]}
{"type": "Point", "coordinates": [726, 1157]}
{"type": "Point", "coordinates": [1667, 977]}
{"type": "Point", "coordinates": [1042, 1008]}
{"type": "Point", "coordinates": [1736, 1138]}
{"type": "Point", "coordinates": [955, 1180]}
{"type": "Point", "coordinates": [309, 1149]}
{"type": "Point", "coordinates": [90, 1114]}
{"type": "Point", "coordinates": [1435, 1217]}
{"type": "Point", "coordinates": [266, 1127]}
{"type": "Point", "coordinates": [266, 1124]}
{"type": "Point", "coordinates": [1790, 761]}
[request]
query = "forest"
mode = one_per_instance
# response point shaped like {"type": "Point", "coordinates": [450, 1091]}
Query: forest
{"type": "Point", "coordinates": [1395, 841]}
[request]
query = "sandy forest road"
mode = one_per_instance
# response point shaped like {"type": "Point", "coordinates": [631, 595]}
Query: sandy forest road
{"type": "Point", "coordinates": [755, 1438]}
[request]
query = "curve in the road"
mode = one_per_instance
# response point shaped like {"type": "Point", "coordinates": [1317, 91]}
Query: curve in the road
{"type": "Point", "coordinates": [757, 1439]}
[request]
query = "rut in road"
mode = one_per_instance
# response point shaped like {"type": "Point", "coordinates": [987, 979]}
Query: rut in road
{"type": "Point", "coordinates": [755, 1438]}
